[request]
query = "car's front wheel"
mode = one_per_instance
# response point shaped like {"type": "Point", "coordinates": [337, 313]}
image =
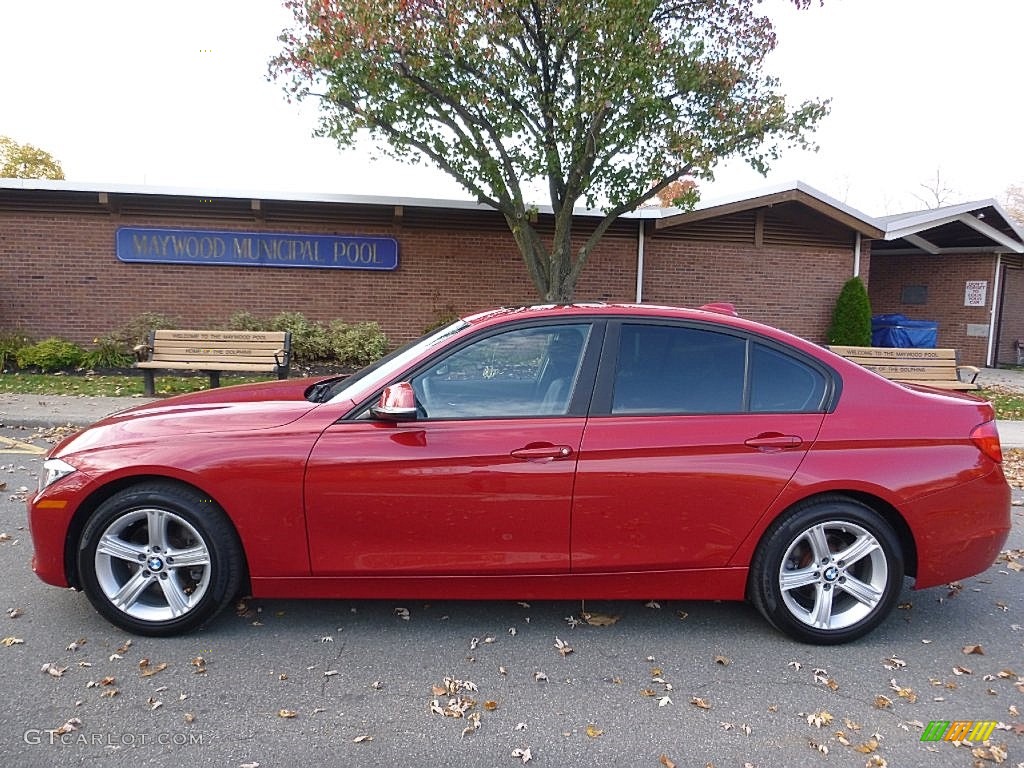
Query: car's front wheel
{"type": "Point", "coordinates": [159, 559]}
{"type": "Point", "coordinates": [828, 572]}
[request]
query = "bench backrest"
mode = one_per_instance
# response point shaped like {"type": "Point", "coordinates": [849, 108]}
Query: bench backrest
{"type": "Point", "coordinates": [904, 364]}
{"type": "Point", "coordinates": [226, 346]}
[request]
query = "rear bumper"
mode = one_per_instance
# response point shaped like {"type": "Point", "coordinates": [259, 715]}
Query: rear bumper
{"type": "Point", "coordinates": [960, 531]}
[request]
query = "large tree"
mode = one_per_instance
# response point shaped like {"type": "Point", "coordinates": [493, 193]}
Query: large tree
{"type": "Point", "coordinates": [23, 161]}
{"type": "Point", "coordinates": [604, 101]}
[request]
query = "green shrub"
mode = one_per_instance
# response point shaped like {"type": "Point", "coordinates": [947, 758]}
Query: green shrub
{"type": "Point", "coordinates": [243, 320]}
{"type": "Point", "coordinates": [117, 348]}
{"type": "Point", "coordinates": [358, 344]}
{"type": "Point", "coordinates": [311, 342]}
{"type": "Point", "coordinates": [851, 320]}
{"type": "Point", "coordinates": [136, 331]}
{"type": "Point", "coordinates": [10, 343]}
{"type": "Point", "coordinates": [109, 353]}
{"type": "Point", "coordinates": [51, 355]}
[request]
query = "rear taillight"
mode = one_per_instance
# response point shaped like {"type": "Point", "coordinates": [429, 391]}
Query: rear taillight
{"type": "Point", "coordinates": [986, 437]}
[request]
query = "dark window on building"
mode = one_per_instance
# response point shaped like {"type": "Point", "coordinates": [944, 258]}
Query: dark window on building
{"type": "Point", "coordinates": [914, 294]}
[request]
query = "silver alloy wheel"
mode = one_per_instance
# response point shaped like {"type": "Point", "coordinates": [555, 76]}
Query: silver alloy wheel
{"type": "Point", "coordinates": [833, 575]}
{"type": "Point", "coordinates": [152, 564]}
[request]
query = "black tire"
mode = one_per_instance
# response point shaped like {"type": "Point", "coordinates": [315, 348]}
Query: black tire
{"type": "Point", "coordinates": [159, 559]}
{"type": "Point", "coordinates": [803, 586]}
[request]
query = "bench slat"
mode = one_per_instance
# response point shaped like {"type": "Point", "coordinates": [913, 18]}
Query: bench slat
{"type": "Point", "coordinates": [277, 337]}
{"type": "Point", "coordinates": [962, 385]}
{"type": "Point", "coordinates": [198, 365]}
{"type": "Point", "coordinates": [927, 367]}
{"type": "Point", "coordinates": [214, 359]}
{"type": "Point", "coordinates": [224, 352]}
{"type": "Point", "coordinates": [895, 352]}
{"type": "Point", "coordinates": [915, 365]}
{"type": "Point", "coordinates": [216, 346]}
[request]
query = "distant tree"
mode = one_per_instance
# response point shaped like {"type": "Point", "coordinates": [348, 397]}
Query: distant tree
{"type": "Point", "coordinates": [936, 192]}
{"type": "Point", "coordinates": [1013, 202]}
{"type": "Point", "coordinates": [851, 320]}
{"type": "Point", "coordinates": [24, 161]}
{"type": "Point", "coordinates": [604, 101]}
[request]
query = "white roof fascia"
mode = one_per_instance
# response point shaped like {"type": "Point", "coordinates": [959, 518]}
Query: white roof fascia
{"type": "Point", "coordinates": [1015, 225]}
{"type": "Point", "coordinates": [774, 189]}
{"type": "Point", "coordinates": [894, 230]}
{"type": "Point", "coordinates": [459, 204]}
{"type": "Point", "coordinates": [934, 216]}
{"type": "Point", "coordinates": [991, 232]}
{"type": "Point", "coordinates": [298, 197]}
{"type": "Point", "coordinates": [897, 226]}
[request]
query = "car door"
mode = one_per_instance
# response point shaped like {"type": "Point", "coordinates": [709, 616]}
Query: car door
{"type": "Point", "coordinates": [480, 483]}
{"type": "Point", "coordinates": [694, 433]}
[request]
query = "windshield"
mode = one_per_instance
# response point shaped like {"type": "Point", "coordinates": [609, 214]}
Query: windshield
{"type": "Point", "coordinates": [376, 374]}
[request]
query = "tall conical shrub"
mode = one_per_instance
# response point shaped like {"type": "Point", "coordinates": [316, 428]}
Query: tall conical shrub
{"type": "Point", "coordinates": [851, 320]}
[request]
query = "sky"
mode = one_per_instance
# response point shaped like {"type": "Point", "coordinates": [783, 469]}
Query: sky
{"type": "Point", "coordinates": [175, 94]}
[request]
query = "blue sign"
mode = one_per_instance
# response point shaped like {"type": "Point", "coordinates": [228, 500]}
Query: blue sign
{"type": "Point", "coordinates": [256, 249]}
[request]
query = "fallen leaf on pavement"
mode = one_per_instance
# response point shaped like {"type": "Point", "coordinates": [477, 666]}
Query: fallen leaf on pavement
{"type": "Point", "coordinates": [148, 670]}
{"type": "Point", "coordinates": [53, 670]}
{"type": "Point", "coordinates": [867, 747]}
{"type": "Point", "coordinates": [820, 719]}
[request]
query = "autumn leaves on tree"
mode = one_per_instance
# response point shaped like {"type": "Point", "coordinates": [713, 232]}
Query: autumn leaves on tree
{"type": "Point", "coordinates": [23, 161]}
{"type": "Point", "coordinates": [604, 103]}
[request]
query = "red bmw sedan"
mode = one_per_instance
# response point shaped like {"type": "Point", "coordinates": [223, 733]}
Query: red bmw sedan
{"type": "Point", "coordinates": [586, 451]}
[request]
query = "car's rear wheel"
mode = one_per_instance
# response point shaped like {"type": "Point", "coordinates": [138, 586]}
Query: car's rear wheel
{"type": "Point", "coordinates": [828, 572]}
{"type": "Point", "coordinates": [159, 559]}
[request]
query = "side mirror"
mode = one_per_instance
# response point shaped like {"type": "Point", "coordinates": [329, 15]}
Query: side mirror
{"type": "Point", "coordinates": [397, 403]}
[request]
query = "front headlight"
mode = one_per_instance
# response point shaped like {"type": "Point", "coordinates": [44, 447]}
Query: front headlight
{"type": "Point", "coordinates": [54, 470]}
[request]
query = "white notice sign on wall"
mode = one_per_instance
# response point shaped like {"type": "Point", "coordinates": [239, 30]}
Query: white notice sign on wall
{"type": "Point", "coordinates": [974, 295]}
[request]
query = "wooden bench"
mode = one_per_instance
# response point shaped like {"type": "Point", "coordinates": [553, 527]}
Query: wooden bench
{"type": "Point", "coordinates": [930, 367]}
{"type": "Point", "coordinates": [214, 351]}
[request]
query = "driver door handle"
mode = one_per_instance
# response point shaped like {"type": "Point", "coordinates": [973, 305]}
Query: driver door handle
{"type": "Point", "coordinates": [542, 452]}
{"type": "Point", "coordinates": [773, 441]}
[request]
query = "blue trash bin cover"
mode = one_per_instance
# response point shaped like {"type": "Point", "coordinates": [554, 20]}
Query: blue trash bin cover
{"type": "Point", "coordinates": [901, 331]}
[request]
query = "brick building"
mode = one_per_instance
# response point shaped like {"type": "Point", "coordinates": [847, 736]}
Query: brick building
{"type": "Point", "coordinates": [780, 256]}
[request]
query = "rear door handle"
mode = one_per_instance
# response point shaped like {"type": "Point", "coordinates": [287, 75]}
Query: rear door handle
{"type": "Point", "coordinates": [542, 452]}
{"type": "Point", "coordinates": [774, 441]}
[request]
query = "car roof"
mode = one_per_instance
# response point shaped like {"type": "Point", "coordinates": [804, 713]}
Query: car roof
{"type": "Point", "coordinates": [721, 314]}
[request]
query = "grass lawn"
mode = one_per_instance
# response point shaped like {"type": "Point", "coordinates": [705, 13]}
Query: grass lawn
{"type": "Point", "coordinates": [1009, 405]}
{"type": "Point", "coordinates": [125, 385]}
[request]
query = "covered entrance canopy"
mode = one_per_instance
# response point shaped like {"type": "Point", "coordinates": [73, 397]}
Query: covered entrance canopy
{"type": "Point", "coordinates": [960, 265]}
